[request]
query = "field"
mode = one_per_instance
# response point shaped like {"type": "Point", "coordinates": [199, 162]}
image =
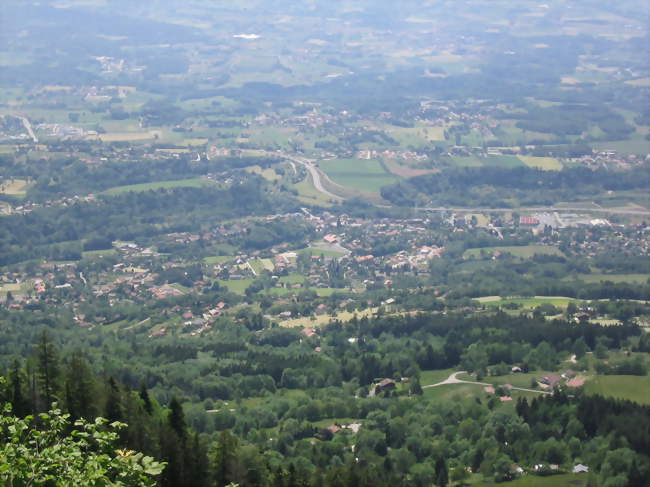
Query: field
{"type": "Point", "coordinates": [125, 136]}
{"type": "Point", "coordinates": [564, 480]}
{"type": "Point", "coordinates": [13, 288]}
{"type": "Point", "coordinates": [325, 319]}
{"type": "Point", "coordinates": [217, 259]}
{"type": "Point", "coordinates": [308, 194]}
{"type": "Point", "coordinates": [596, 278]}
{"type": "Point", "coordinates": [529, 303]}
{"type": "Point", "coordinates": [545, 163]}
{"type": "Point", "coordinates": [181, 183]}
{"type": "Point", "coordinates": [324, 252]}
{"type": "Point", "coordinates": [503, 161]}
{"type": "Point", "coordinates": [632, 387]}
{"type": "Point", "coordinates": [236, 285]}
{"type": "Point", "coordinates": [358, 174]}
{"type": "Point", "coordinates": [14, 187]}
{"type": "Point", "coordinates": [524, 252]}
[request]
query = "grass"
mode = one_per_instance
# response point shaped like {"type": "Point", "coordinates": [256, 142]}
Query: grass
{"type": "Point", "coordinates": [453, 392]}
{"type": "Point", "coordinates": [217, 259]}
{"type": "Point", "coordinates": [14, 187]}
{"type": "Point", "coordinates": [89, 254]}
{"type": "Point", "coordinates": [430, 377]}
{"type": "Point", "coordinates": [326, 319]}
{"type": "Point", "coordinates": [503, 161]}
{"type": "Point", "coordinates": [125, 136]}
{"type": "Point", "coordinates": [563, 480]}
{"type": "Point", "coordinates": [324, 252]}
{"type": "Point", "coordinates": [528, 303]}
{"type": "Point", "coordinates": [181, 183]}
{"type": "Point", "coordinates": [10, 287]}
{"type": "Point", "coordinates": [470, 161]}
{"type": "Point", "coordinates": [596, 278]}
{"type": "Point", "coordinates": [524, 251]}
{"type": "Point", "coordinates": [359, 174]}
{"type": "Point", "coordinates": [632, 387]}
{"type": "Point", "coordinates": [237, 286]}
{"type": "Point", "coordinates": [545, 163]}
{"type": "Point", "coordinates": [310, 195]}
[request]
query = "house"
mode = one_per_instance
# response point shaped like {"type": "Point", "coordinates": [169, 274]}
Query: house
{"type": "Point", "coordinates": [309, 332]}
{"type": "Point", "coordinates": [330, 238]}
{"type": "Point", "coordinates": [580, 468]}
{"type": "Point", "coordinates": [516, 370]}
{"type": "Point", "coordinates": [569, 374]}
{"type": "Point", "coordinates": [385, 385]}
{"type": "Point", "coordinates": [550, 380]}
{"type": "Point", "coordinates": [528, 221]}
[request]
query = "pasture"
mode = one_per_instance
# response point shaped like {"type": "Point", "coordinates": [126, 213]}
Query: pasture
{"type": "Point", "coordinates": [358, 174]}
{"type": "Point", "coordinates": [544, 163]}
{"type": "Point", "coordinates": [181, 183]}
{"type": "Point", "coordinates": [632, 387]}
{"type": "Point", "coordinates": [307, 321]}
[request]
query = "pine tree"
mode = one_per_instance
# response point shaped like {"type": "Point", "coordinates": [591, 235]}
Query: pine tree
{"type": "Point", "coordinates": [48, 370]}
{"type": "Point", "coordinates": [80, 388]}
{"type": "Point", "coordinates": [18, 399]}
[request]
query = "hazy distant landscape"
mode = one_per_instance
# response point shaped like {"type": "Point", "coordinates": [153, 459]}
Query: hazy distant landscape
{"type": "Point", "coordinates": [342, 243]}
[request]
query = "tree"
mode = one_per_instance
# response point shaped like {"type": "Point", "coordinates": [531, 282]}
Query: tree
{"type": "Point", "coordinates": [38, 451]}
{"type": "Point", "coordinates": [442, 475]}
{"type": "Point", "coordinates": [48, 369]}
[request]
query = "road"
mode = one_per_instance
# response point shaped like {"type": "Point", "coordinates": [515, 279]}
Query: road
{"type": "Point", "coordinates": [453, 379]}
{"type": "Point", "coordinates": [315, 175]}
{"type": "Point", "coordinates": [28, 127]}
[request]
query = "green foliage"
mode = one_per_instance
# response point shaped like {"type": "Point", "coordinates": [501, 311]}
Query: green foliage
{"type": "Point", "coordinates": [50, 450]}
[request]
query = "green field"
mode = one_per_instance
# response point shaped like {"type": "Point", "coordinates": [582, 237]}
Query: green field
{"type": "Point", "coordinates": [217, 259]}
{"type": "Point", "coordinates": [181, 183]}
{"type": "Point", "coordinates": [503, 161]}
{"type": "Point", "coordinates": [430, 377]}
{"type": "Point", "coordinates": [89, 254]}
{"type": "Point", "coordinates": [236, 285]}
{"type": "Point", "coordinates": [524, 252]}
{"type": "Point", "coordinates": [596, 278]}
{"type": "Point", "coordinates": [324, 252]}
{"type": "Point", "coordinates": [545, 163]}
{"type": "Point", "coordinates": [359, 174]}
{"type": "Point", "coordinates": [564, 480]}
{"type": "Point", "coordinates": [632, 387]}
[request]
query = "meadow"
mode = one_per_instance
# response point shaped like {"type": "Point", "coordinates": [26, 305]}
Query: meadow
{"type": "Point", "coordinates": [181, 183]}
{"type": "Point", "coordinates": [631, 387]}
{"type": "Point", "coordinates": [545, 163]}
{"type": "Point", "coordinates": [358, 174]}
{"type": "Point", "coordinates": [596, 278]}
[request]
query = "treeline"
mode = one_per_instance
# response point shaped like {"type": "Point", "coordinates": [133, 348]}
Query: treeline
{"type": "Point", "coordinates": [497, 187]}
{"type": "Point", "coordinates": [72, 177]}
